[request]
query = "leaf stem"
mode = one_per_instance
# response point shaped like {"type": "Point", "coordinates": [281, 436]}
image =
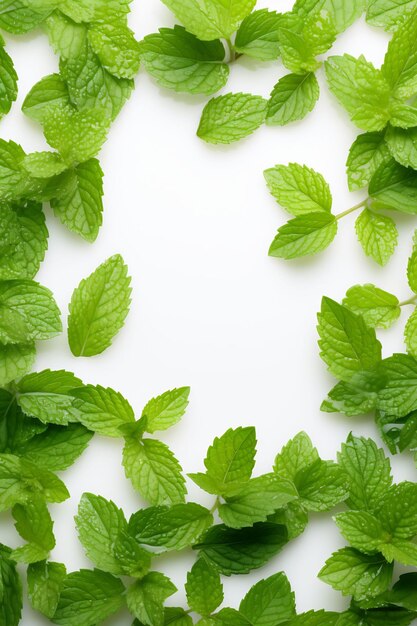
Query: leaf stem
{"type": "Point", "coordinates": [412, 300]}
{"type": "Point", "coordinates": [232, 51]}
{"type": "Point", "coordinates": [215, 505]}
{"type": "Point", "coordinates": [352, 209]}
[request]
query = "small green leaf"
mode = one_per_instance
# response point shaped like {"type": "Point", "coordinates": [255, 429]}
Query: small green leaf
{"type": "Point", "coordinates": [34, 525]}
{"type": "Point", "coordinates": [45, 581]}
{"type": "Point", "coordinates": [400, 63]}
{"type": "Point", "coordinates": [145, 598]}
{"type": "Point", "coordinates": [11, 589]}
{"type": "Point", "coordinates": [398, 398]}
{"type": "Point", "coordinates": [403, 145]}
{"type": "Point", "coordinates": [292, 98]}
{"type": "Point", "coordinates": [305, 235]}
{"type": "Point", "coordinates": [166, 410]}
{"type": "Point", "coordinates": [358, 396]}
{"type": "Point", "coordinates": [204, 588]}
{"type": "Point", "coordinates": [48, 93]}
{"type": "Point", "coordinates": [389, 14]}
{"type": "Point", "coordinates": [377, 234]}
{"type": "Point", "coordinates": [321, 486]}
{"type": "Point", "coordinates": [15, 361]}
{"type": "Point", "coordinates": [410, 334]}
{"type": "Point", "coordinates": [366, 154]}
{"type": "Point", "coordinates": [269, 602]}
{"type": "Point", "coordinates": [298, 454]}
{"type": "Point", "coordinates": [102, 410]}
{"type": "Point", "coordinates": [257, 36]}
{"type": "Point", "coordinates": [299, 189]}
{"type": "Point", "coordinates": [379, 308]}
{"type": "Point", "coordinates": [231, 117]}
{"type": "Point", "coordinates": [343, 13]}
{"type": "Point", "coordinates": [395, 187]}
{"type": "Point", "coordinates": [116, 47]}
{"type": "Point", "coordinates": [44, 164]}
{"type": "Point", "coordinates": [363, 530]}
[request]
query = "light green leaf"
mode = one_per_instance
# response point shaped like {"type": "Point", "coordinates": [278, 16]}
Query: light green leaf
{"type": "Point", "coordinates": [398, 398]}
{"type": "Point", "coordinates": [166, 410]}
{"type": "Point", "coordinates": [298, 454]}
{"type": "Point", "coordinates": [48, 93]}
{"type": "Point", "coordinates": [361, 89]}
{"type": "Point", "coordinates": [403, 145]}
{"type": "Point", "coordinates": [377, 235]}
{"type": "Point", "coordinates": [44, 164]}
{"type": "Point", "coordinates": [366, 154]}
{"type": "Point", "coordinates": [99, 307]}
{"type": "Point", "coordinates": [34, 525]}
{"type": "Point", "coordinates": [405, 552]}
{"type": "Point", "coordinates": [116, 47]}
{"type": "Point", "coordinates": [292, 98]}
{"type": "Point", "coordinates": [231, 117]}
{"type": "Point", "coordinates": [412, 270]}
{"type": "Point", "coordinates": [343, 13]}
{"type": "Point", "coordinates": [154, 471]}
{"type": "Point", "coordinates": [304, 39]}
{"type": "Point", "coordinates": [102, 410]}
{"type": "Point", "coordinates": [400, 63]}
{"type": "Point", "coordinates": [358, 396]}
{"type": "Point", "coordinates": [398, 512]}
{"type": "Point", "coordinates": [410, 334]}
{"type": "Point", "coordinates": [321, 486]}
{"type": "Point", "coordinates": [363, 531]}
{"type": "Point", "coordinates": [210, 19]}
{"type": "Point", "coordinates": [257, 36]}
{"type": "Point", "coordinates": [294, 517]}
{"type": "Point", "coordinates": [8, 80]}
{"type": "Point", "coordinates": [173, 528]}
{"type": "Point", "coordinates": [299, 189]}
{"type": "Point", "coordinates": [347, 344]}
{"type": "Point", "coordinates": [88, 597]}
{"type": "Point", "coordinates": [304, 235]}
{"type": "Point", "coordinates": [389, 14]}
{"type": "Point", "coordinates": [378, 308]}
{"type": "Point", "coordinates": [145, 598]}
{"type": "Point", "coordinates": [403, 115]}
{"type": "Point", "coordinates": [45, 580]}
{"type": "Point", "coordinates": [18, 16]}
{"type": "Point", "coordinates": [10, 590]}
{"type": "Point", "coordinates": [269, 602]}
{"type": "Point", "coordinates": [204, 588]}
{"type": "Point", "coordinates": [15, 361]}
{"type": "Point", "coordinates": [179, 61]}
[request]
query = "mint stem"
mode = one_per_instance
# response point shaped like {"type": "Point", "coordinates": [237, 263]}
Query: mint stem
{"type": "Point", "coordinates": [412, 300]}
{"type": "Point", "coordinates": [352, 209]}
{"type": "Point", "coordinates": [232, 51]}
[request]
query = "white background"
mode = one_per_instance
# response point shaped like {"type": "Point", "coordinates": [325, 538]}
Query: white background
{"type": "Point", "coordinates": [210, 308]}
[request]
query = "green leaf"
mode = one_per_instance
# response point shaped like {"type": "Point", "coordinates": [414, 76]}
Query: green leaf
{"type": "Point", "coordinates": [358, 396]}
{"type": "Point", "coordinates": [23, 240]}
{"type": "Point", "coordinates": [399, 395]}
{"type": "Point", "coordinates": [410, 334]}
{"type": "Point", "coordinates": [8, 80]}
{"type": "Point", "coordinates": [154, 471]}
{"type": "Point", "coordinates": [99, 307]}
{"type": "Point", "coordinates": [116, 47]}
{"type": "Point", "coordinates": [389, 14]}
{"type": "Point", "coordinates": [211, 19]}
{"type": "Point", "coordinates": [316, 618]}
{"type": "Point", "coordinates": [363, 531]}
{"type": "Point", "coordinates": [47, 94]}
{"type": "Point", "coordinates": [299, 189]}
{"type": "Point", "coordinates": [403, 115]}
{"type": "Point", "coordinates": [179, 61]}
{"type": "Point", "coordinates": [304, 235]}
{"type": "Point", "coordinates": [10, 590]}
{"type": "Point", "coordinates": [377, 235]}
{"type": "Point", "coordinates": [369, 473]}
{"type": "Point", "coordinates": [12, 174]}
{"type": "Point", "coordinates": [45, 581]}
{"type": "Point", "coordinates": [302, 39]}
{"type": "Point", "coordinates": [102, 410]}
{"type": "Point", "coordinates": [88, 597]}
{"type": "Point", "coordinates": [45, 395]}
{"type": "Point", "coordinates": [379, 308]}
{"type": "Point", "coordinates": [292, 98]}
{"type": "Point", "coordinates": [28, 312]}
{"type": "Point", "coordinates": [355, 574]}
{"type": "Point", "coordinates": [398, 512]}
{"type": "Point", "coordinates": [298, 454]}
{"type": "Point", "coordinates": [176, 616]}
{"type": "Point", "coordinates": [400, 63]}
{"type": "Point", "coordinates": [56, 448]}
{"type": "Point", "coordinates": [204, 588]}
{"type": "Point", "coordinates": [44, 164]}
{"type": "Point", "coordinates": [347, 344]}
{"type": "Point", "coordinates": [145, 598]}
{"type": "Point", "coordinates": [34, 524]}
{"type": "Point", "coordinates": [77, 199]}
{"type": "Point", "coordinates": [257, 500]}
{"type": "Point", "coordinates": [15, 428]}
{"type": "Point", "coordinates": [343, 13]}
{"type": "Point", "coordinates": [405, 552]}
{"type": "Point", "coordinates": [366, 154]}
{"type": "Point", "coordinates": [231, 117]}
{"type": "Point", "coordinates": [412, 270]}
{"type": "Point", "coordinates": [403, 145]}
{"type": "Point", "coordinates": [294, 517]}
{"type": "Point", "coordinates": [173, 528]}
{"type": "Point", "coordinates": [361, 89]}
{"type": "Point", "coordinates": [395, 187]}
{"type": "Point", "coordinates": [166, 410]}
{"type": "Point", "coordinates": [230, 461]}
{"type": "Point", "coordinates": [257, 36]}
{"type": "Point", "coordinates": [403, 593]}
{"type": "Point", "coordinates": [15, 361]}
{"type": "Point", "coordinates": [270, 602]}
{"type": "Point", "coordinates": [234, 551]}
{"type": "Point", "coordinates": [321, 486]}
{"type": "Point", "coordinates": [17, 16]}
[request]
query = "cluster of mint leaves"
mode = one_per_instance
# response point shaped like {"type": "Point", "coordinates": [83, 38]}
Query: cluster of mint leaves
{"type": "Point", "coordinates": [48, 418]}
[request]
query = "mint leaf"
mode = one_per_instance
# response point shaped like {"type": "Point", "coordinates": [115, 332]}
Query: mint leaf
{"type": "Point", "coordinates": [173, 528]}
{"type": "Point", "coordinates": [358, 396]}
{"type": "Point", "coordinates": [304, 235]}
{"type": "Point", "coordinates": [356, 574]}
{"type": "Point", "coordinates": [10, 590]}
{"type": "Point", "coordinates": [303, 39]}
{"type": "Point", "coordinates": [292, 98]}
{"type": "Point", "coordinates": [269, 602]}
{"type": "Point", "coordinates": [19, 17]}
{"type": "Point", "coordinates": [403, 593]}
{"type": "Point", "coordinates": [13, 176]}
{"type": "Point", "coordinates": [176, 616]}
{"type": "Point", "coordinates": [403, 115]}
{"type": "Point", "coordinates": [366, 154]}
{"type": "Point", "coordinates": [394, 187]}
{"type": "Point", "coordinates": [257, 36]}
{"type": "Point", "coordinates": [34, 524]}
{"type": "Point", "coordinates": [166, 410]}
{"type": "Point", "coordinates": [204, 588]}
{"type": "Point", "coordinates": [363, 531]}
{"type": "Point", "coordinates": [15, 428]}
{"type": "Point", "coordinates": [405, 552]}
{"type": "Point", "coordinates": [45, 580]}
{"type": "Point", "coordinates": [321, 486]}
{"type": "Point", "coordinates": [400, 63]}
{"type": "Point", "coordinates": [179, 61]}
{"type": "Point", "coordinates": [154, 471]}
{"type": "Point", "coordinates": [234, 551]}
{"type": "Point", "coordinates": [316, 618]}
{"type": "Point", "coordinates": [231, 117]}
{"type": "Point", "coordinates": [294, 517]}
{"type": "Point", "coordinates": [115, 45]}
{"type": "Point", "coordinates": [56, 448]}
{"type": "Point", "coordinates": [257, 500]}
{"type": "Point", "coordinates": [212, 20]}
{"type": "Point", "coordinates": [28, 312]}
{"type": "Point", "coordinates": [368, 470]}
{"type": "Point", "coordinates": [379, 308]}
{"type": "Point", "coordinates": [43, 164]}
{"type": "Point", "coordinates": [410, 334]}
{"type": "Point", "coordinates": [412, 270]}
{"type": "Point", "coordinates": [347, 344]}
{"type": "Point", "coordinates": [88, 597]}
{"type": "Point", "coordinates": [48, 93]}
{"type": "Point", "coordinates": [399, 395]}
{"type": "Point", "coordinates": [299, 189]}
{"type": "Point", "coordinates": [389, 14]}
{"type": "Point", "coordinates": [8, 81]}
{"type": "Point", "coordinates": [403, 145]}
{"type": "Point", "coordinates": [15, 361]}
{"type": "Point", "coordinates": [343, 14]}
{"type": "Point", "coordinates": [46, 395]}
{"type": "Point", "coordinates": [77, 199]}
{"type": "Point", "coordinates": [99, 307]}
{"type": "Point", "coordinates": [377, 235]}
{"type": "Point", "coordinates": [298, 454]}
{"type": "Point", "coordinates": [361, 89]}
{"type": "Point", "coordinates": [230, 461]}
{"type": "Point", "coordinates": [102, 410]}
{"type": "Point", "coordinates": [145, 598]}
{"type": "Point", "coordinates": [398, 512]}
